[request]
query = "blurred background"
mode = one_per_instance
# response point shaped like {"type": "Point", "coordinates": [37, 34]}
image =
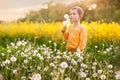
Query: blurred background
{"type": "Point", "coordinates": [52, 10]}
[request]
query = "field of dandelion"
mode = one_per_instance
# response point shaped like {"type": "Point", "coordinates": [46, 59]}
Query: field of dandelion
{"type": "Point", "coordinates": [36, 51]}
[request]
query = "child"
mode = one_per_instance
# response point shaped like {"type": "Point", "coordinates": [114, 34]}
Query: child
{"type": "Point", "coordinates": [76, 35]}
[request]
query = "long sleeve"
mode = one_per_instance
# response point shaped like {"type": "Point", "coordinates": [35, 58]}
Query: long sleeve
{"type": "Point", "coordinates": [65, 35]}
{"type": "Point", "coordinates": [83, 39]}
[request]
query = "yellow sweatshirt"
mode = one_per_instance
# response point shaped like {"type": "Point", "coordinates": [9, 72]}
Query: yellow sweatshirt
{"type": "Point", "coordinates": [76, 37]}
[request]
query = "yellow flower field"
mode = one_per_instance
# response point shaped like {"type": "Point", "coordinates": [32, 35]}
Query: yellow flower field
{"type": "Point", "coordinates": [96, 31]}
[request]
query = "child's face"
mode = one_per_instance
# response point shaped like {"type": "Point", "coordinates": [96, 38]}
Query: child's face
{"type": "Point", "coordinates": [74, 16]}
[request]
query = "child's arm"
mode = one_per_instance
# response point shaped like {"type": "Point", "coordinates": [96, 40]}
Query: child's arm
{"type": "Point", "coordinates": [83, 39]}
{"type": "Point", "coordinates": [65, 33]}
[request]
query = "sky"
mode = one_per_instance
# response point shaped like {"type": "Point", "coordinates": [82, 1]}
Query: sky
{"type": "Point", "coordinates": [14, 9]}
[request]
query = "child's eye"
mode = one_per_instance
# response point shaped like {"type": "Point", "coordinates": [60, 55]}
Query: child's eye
{"type": "Point", "coordinates": [74, 14]}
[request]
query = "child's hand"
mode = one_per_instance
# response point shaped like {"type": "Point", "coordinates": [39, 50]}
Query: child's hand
{"type": "Point", "coordinates": [64, 29]}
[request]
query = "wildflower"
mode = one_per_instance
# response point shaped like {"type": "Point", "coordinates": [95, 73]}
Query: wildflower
{"type": "Point", "coordinates": [103, 77]}
{"type": "Point", "coordinates": [64, 65]}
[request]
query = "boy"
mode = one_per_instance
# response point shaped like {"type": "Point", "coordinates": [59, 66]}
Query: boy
{"type": "Point", "coordinates": [76, 35]}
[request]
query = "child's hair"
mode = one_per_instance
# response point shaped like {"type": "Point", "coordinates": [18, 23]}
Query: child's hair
{"type": "Point", "coordinates": [79, 10]}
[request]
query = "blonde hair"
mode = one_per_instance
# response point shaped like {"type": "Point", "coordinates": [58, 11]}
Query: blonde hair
{"type": "Point", "coordinates": [79, 10]}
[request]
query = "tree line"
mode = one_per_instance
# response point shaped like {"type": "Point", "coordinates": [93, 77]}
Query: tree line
{"type": "Point", "coordinates": [95, 10]}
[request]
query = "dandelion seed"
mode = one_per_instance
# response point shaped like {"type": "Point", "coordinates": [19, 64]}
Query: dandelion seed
{"type": "Point", "coordinates": [99, 71]}
{"type": "Point", "coordinates": [98, 51]}
{"type": "Point", "coordinates": [13, 59]}
{"type": "Point", "coordinates": [64, 65]}
{"type": "Point", "coordinates": [30, 58]}
{"type": "Point", "coordinates": [82, 74]}
{"type": "Point", "coordinates": [66, 16]}
{"type": "Point", "coordinates": [55, 78]}
{"type": "Point", "coordinates": [55, 44]}
{"type": "Point", "coordinates": [15, 71]}
{"type": "Point", "coordinates": [7, 61]}
{"type": "Point", "coordinates": [96, 46]}
{"type": "Point", "coordinates": [25, 61]}
{"type": "Point", "coordinates": [19, 43]}
{"type": "Point", "coordinates": [50, 41]}
{"type": "Point", "coordinates": [80, 59]}
{"type": "Point", "coordinates": [93, 67]}
{"type": "Point", "coordinates": [110, 71]}
{"type": "Point", "coordinates": [103, 77]}
{"type": "Point", "coordinates": [67, 78]}
{"type": "Point", "coordinates": [87, 79]}
{"type": "Point", "coordinates": [36, 77]}
{"type": "Point", "coordinates": [95, 75]}
{"type": "Point", "coordinates": [51, 73]}
{"type": "Point", "coordinates": [78, 50]}
{"type": "Point", "coordinates": [46, 68]}
{"type": "Point", "coordinates": [38, 68]}
{"type": "Point", "coordinates": [52, 64]}
{"type": "Point", "coordinates": [68, 58]}
{"type": "Point", "coordinates": [94, 63]}
{"type": "Point", "coordinates": [3, 64]}
{"type": "Point", "coordinates": [12, 44]}
{"type": "Point", "coordinates": [110, 66]}
{"type": "Point", "coordinates": [3, 54]}
{"type": "Point", "coordinates": [23, 78]}
{"type": "Point", "coordinates": [9, 51]}
{"type": "Point", "coordinates": [31, 67]}
{"type": "Point", "coordinates": [73, 62]}
{"type": "Point", "coordinates": [84, 65]}
{"type": "Point", "coordinates": [22, 54]}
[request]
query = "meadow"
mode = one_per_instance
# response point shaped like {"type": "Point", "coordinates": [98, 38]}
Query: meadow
{"type": "Point", "coordinates": [36, 51]}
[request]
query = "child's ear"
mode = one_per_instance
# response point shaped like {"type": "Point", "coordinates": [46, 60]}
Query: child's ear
{"type": "Point", "coordinates": [81, 16]}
